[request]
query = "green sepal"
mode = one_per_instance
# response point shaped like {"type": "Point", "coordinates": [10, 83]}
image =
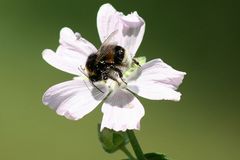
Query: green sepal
{"type": "Point", "coordinates": [155, 156]}
{"type": "Point", "coordinates": [111, 140]}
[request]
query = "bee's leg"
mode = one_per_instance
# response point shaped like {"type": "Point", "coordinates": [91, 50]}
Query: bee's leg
{"type": "Point", "coordinates": [113, 78]}
{"type": "Point", "coordinates": [97, 87]}
{"type": "Point", "coordinates": [119, 74]}
{"type": "Point", "coordinates": [123, 80]}
{"type": "Point", "coordinates": [136, 62]}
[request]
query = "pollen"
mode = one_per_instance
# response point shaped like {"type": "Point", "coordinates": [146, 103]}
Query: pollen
{"type": "Point", "coordinates": [113, 85]}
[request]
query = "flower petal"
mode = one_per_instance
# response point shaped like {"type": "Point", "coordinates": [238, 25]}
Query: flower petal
{"type": "Point", "coordinates": [107, 21]}
{"type": "Point", "coordinates": [122, 111]}
{"type": "Point", "coordinates": [74, 99]}
{"type": "Point", "coordinates": [71, 54]}
{"type": "Point", "coordinates": [131, 27]}
{"type": "Point", "coordinates": [74, 41]}
{"type": "Point", "coordinates": [157, 81]}
{"type": "Point", "coordinates": [66, 62]}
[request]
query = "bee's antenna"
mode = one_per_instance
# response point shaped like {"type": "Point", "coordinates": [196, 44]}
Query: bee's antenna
{"type": "Point", "coordinates": [81, 70]}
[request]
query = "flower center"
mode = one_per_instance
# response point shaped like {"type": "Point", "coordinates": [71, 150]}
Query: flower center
{"type": "Point", "coordinates": [119, 83]}
{"type": "Point", "coordinates": [114, 85]}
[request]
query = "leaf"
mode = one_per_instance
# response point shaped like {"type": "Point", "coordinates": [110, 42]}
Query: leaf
{"type": "Point", "coordinates": [155, 156]}
{"type": "Point", "coordinates": [111, 140]}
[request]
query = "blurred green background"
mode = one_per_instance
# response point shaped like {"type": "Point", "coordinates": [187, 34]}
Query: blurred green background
{"type": "Point", "coordinates": [198, 37]}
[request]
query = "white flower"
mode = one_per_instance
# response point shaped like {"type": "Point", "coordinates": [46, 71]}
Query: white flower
{"type": "Point", "coordinates": [121, 109]}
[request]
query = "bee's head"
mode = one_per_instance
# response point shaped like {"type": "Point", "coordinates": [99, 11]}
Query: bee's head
{"type": "Point", "coordinates": [122, 57]}
{"type": "Point", "coordinates": [119, 53]}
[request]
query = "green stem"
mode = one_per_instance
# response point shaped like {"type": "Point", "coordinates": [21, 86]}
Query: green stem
{"type": "Point", "coordinates": [126, 151]}
{"type": "Point", "coordinates": [135, 145]}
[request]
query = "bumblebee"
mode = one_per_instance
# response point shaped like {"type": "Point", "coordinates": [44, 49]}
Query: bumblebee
{"type": "Point", "coordinates": [110, 61]}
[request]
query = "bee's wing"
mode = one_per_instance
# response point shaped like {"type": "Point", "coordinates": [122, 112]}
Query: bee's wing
{"type": "Point", "coordinates": [105, 47]}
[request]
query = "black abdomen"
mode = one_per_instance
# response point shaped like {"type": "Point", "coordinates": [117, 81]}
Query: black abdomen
{"type": "Point", "coordinates": [91, 61]}
{"type": "Point", "coordinates": [97, 71]}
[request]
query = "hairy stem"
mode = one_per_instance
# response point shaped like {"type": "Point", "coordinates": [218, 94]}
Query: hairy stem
{"type": "Point", "coordinates": [126, 151]}
{"type": "Point", "coordinates": [135, 145]}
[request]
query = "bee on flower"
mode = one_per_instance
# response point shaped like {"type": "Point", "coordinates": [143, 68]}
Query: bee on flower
{"type": "Point", "coordinates": [107, 74]}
